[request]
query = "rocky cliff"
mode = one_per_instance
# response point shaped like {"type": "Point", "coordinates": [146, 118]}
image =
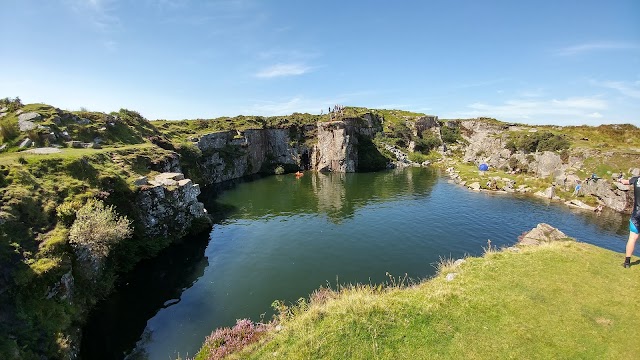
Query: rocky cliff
{"type": "Point", "coordinates": [330, 146]}
{"type": "Point", "coordinates": [168, 205]}
{"type": "Point", "coordinates": [339, 143]}
{"type": "Point", "coordinates": [487, 142]}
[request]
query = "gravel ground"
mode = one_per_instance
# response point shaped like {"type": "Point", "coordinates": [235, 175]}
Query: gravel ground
{"type": "Point", "coordinates": [44, 150]}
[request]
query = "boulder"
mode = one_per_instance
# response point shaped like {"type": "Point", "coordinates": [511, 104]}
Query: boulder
{"type": "Point", "coordinates": [541, 234]}
{"type": "Point", "coordinates": [459, 262]}
{"type": "Point", "coordinates": [549, 193]}
{"type": "Point", "coordinates": [635, 171]}
{"type": "Point", "coordinates": [26, 121]}
{"type": "Point", "coordinates": [25, 143]}
{"type": "Point", "coordinates": [3, 147]}
{"type": "Point", "coordinates": [548, 163]}
{"type": "Point", "coordinates": [169, 175]}
{"type": "Point", "coordinates": [579, 204]}
{"type": "Point", "coordinates": [475, 186]}
{"type": "Point", "coordinates": [142, 180]}
{"type": "Point", "coordinates": [621, 186]}
{"type": "Point", "coordinates": [609, 195]}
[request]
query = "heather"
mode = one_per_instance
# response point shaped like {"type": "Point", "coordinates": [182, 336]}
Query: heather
{"type": "Point", "coordinates": [564, 300]}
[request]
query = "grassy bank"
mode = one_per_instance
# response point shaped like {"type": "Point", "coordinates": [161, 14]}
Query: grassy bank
{"type": "Point", "coordinates": [564, 300]}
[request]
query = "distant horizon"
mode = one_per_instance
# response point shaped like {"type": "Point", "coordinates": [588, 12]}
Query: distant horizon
{"type": "Point", "coordinates": [535, 62]}
{"type": "Point", "coordinates": [318, 114]}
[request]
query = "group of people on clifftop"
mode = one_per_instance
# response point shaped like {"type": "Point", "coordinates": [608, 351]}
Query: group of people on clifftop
{"type": "Point", "coordinates": [334, 112]}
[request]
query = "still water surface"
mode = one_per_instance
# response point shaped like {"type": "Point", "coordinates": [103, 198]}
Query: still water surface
{"type": "Point", "coordinates": [280, 238]}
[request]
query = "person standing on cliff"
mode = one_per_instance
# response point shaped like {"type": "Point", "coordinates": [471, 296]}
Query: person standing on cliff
{"type": "Point", "coordinates": [634, 222]}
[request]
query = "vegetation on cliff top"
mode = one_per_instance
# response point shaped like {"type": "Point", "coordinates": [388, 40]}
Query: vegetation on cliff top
{"type": "Point", "coordinates": [42, 192]}
{"type": "Point", "coordinates": [551, 301]}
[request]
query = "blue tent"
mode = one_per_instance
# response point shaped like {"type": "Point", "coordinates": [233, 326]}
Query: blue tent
{"type": "Point", "coordinates": [483, 167]}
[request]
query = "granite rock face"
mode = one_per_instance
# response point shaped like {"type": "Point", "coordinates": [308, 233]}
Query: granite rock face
{"type": "Point", "coordinates": [337, 146]}
{"type": "Point", "coordinates": [541, 234]}
{"type": "Point", "coordinates": [233, 154]}
{"type": "Point", "coordinates": [26, 121]}
{"type": "Point", "coordinates": [168, 206]}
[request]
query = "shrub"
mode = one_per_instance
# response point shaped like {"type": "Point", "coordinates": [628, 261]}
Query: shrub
{"type": "Point", "coordinates": [225, 341]}
{"type": "Point", "coordinates": [450, 135]}
{"type": "Point", "coordinates": [9, 129]}
{"type": "Point", "coordinates": [540, 141]}
{"type": "Point", "coordinates": [66, 212]}
{"type": "Point", "coordinates": [97, 228]}
{"type": "Point", "coordinates": [427, 144]}
{"type": "Point", "coordinates": [418, 157]}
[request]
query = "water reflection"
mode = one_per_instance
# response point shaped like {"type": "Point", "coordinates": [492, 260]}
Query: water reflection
{"type": "Point", "coordinates": [336, 195]}
{"type": "Point", "coordinates": [280, 238]}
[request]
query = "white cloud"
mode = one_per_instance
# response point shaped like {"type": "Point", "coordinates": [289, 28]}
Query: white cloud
{"type": "Point", "coordinates": [483, 83]}
{"type": "Point", "coordinates": [596, 46]}
{"type": "Point", "coordinates": [280, 70]}
{"type": "Point", "coordinates": [576, 110]}
{"type": "Point", "coordinates": [580, 103]}
{"type": "Point", "coordinates": [288, 106]}
{"type": "Point", "coordinates": [625, 88]}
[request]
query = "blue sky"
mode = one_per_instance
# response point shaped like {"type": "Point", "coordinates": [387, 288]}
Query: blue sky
{"type": "Point", "coordinates": [537, 62]}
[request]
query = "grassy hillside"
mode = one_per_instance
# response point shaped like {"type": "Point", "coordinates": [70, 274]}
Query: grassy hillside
{"type": "Point", "coordinates": [563, 300]}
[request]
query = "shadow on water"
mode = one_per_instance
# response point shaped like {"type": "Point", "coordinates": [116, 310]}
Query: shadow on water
{"type": "Point", "coordinates": [152, 285]}
{"type": "Point", "coordinates": [119, 323]}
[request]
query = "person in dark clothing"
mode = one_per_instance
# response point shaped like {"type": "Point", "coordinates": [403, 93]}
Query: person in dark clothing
{"type": "Point", "coordinates": [634, 222]}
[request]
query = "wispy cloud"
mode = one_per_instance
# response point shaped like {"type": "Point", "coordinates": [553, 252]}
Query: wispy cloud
{"type": "Point", "coordinates": [630, 89]}
{"type": "Point", "coordinates": [280, 70]}
{"type": "Point", "coordinates": [303, 104]}
{"type": "Point", "coordinates": [101, 13]}
{"type": "Point", "coordinates": [596, 46]}
{"type": "Point", "coordinates": [279, 54]}
{"type": "Point", "coordinates": [541, 111]}
{"type": "Point", "coordinates": [288, 106]}
{"type": "Point", "coordinates": [483, 83]}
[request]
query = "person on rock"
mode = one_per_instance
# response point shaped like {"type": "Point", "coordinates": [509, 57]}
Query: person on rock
{"type": "Point", "coordinates": [634, 222]}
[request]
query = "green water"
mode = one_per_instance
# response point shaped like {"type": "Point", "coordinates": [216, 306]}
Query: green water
{"type": "Point", "coordinates": [280, 238]}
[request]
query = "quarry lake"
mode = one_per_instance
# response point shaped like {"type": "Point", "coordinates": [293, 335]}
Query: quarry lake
{"type": "Point", "coordinates": [280, 237]}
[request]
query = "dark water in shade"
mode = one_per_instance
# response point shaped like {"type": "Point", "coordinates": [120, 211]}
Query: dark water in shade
{"type": "Point", "coordinates": [280, 238]}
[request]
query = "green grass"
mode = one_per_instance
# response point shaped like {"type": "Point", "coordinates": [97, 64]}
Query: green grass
{"type": "Point", "coordinates": [67, 153]}
{"type": "Point", "coordinates": [564, 300]}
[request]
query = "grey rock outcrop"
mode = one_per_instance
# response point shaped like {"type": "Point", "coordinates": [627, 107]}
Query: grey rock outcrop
{"type": "Point", "coordinates": [548, 163]}
{"type": "Point", "coordinates": [579, 204]}
{"type": "Point", "coordinates": [231, 155]}
{"type": "Point", "coordinates": [26, 143]}
{"type": "Point", "coordinates": [549, 193]}
{"type": "Point", "coordinates": [64, 288]}
{"type": "Point", "coordinates": [26, 121]}
{"type": "Point", "coordinates": [337, 147]}
{"type": "Point", "coordinates": [234, 154]}
{"type": "Point", "coordinates": [169, 208]}
{"type": "Point", "coordinates": [485, 140]}
{"type": "Point", "coordinates": [541, 234]}
{"type": "Point", "coordinates": [613, 196]}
